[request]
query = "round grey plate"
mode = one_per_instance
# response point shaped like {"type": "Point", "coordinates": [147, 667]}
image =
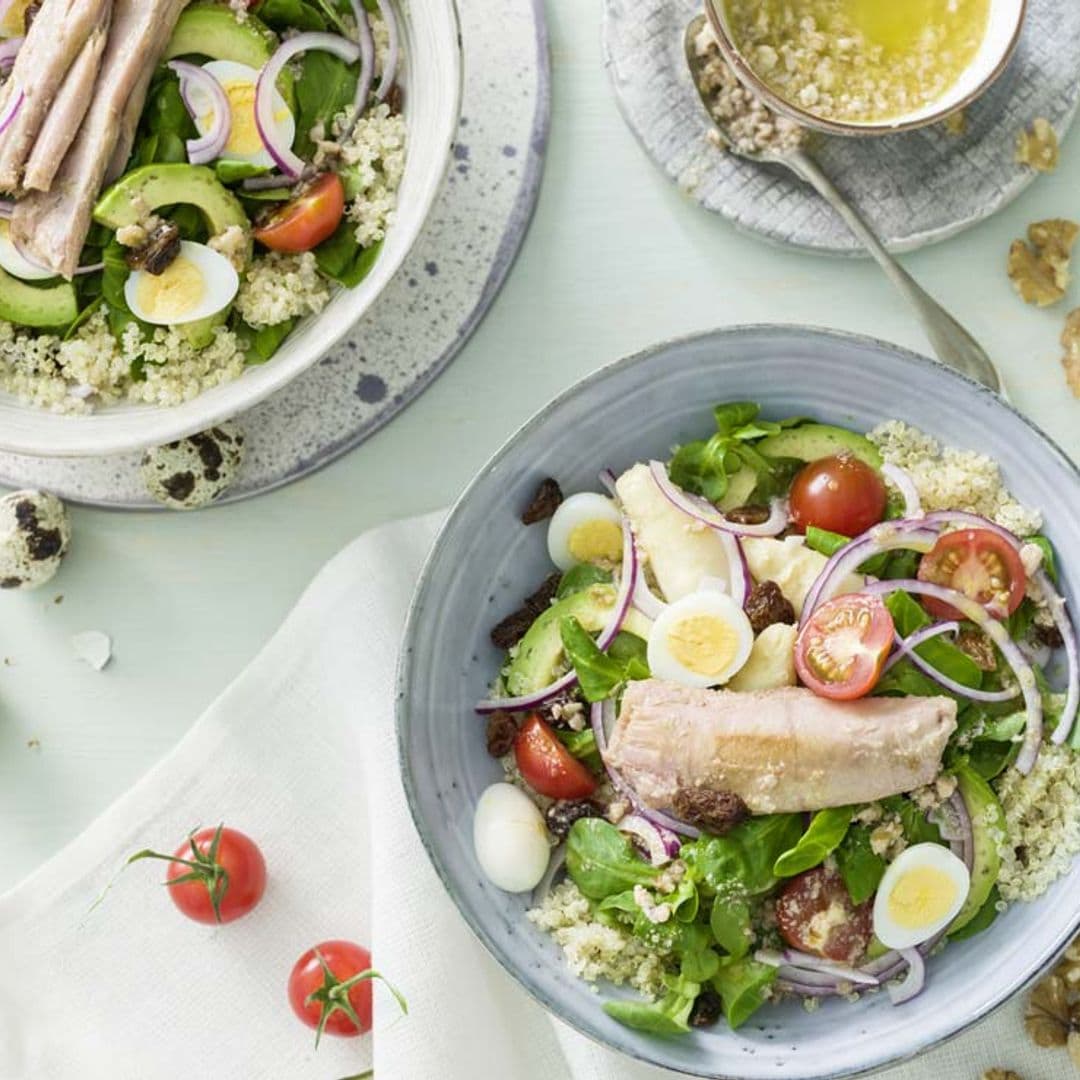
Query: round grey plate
{"type": "Point", "coordinates": [426, 314]}
{"type": "Point", "coordinates": [915, 188]}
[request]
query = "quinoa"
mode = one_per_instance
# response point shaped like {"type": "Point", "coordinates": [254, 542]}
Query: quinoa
{"type": "Point", "coordinates": [280, 287]}
{"type": "Point", "coordinates": [594, 950]}
{"type": "Point", "coordinates": [948, 478]}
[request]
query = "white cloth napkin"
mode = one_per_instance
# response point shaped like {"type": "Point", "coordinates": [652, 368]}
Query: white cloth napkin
{"type": "Point", "coordinates": [300, 753]}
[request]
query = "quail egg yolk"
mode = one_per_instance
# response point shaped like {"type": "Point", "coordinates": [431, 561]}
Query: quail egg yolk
{"type": "Point", "coordinates": [922, 897]}
{"type": "Point", "coordinates": [703, 644]}
{"type": "Point", "coordinates": [596, 541]}
{"type": "Point", "coordinates": [244, 136]}
{"type": "Point", "coordinates": [171, 295]}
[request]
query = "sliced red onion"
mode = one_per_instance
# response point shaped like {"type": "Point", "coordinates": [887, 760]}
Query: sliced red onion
{"type": "Point", "coordinates": [393, 50]}
{"type": "Point", "coordinates": [967, 607]}
{"type": "Point", "coordinates": [738, 569]}
{"type": "Point", "coordinates": [906, 646]}
{"type": "Point", "coordinates": [607, 480]}
{"type": "Point", "coordinates": [208, 147]}
{"type": "Point", "coordinates": [662, 844]}
{"type": "Point", "coordinates": [790, 981]}
{"type": "Point", "coordinates": [901, 480]}
{"type": "Point", "coordinates": [11, 110]}
{"type": "Point", "coordinates": [646, 601]}
{"type": "Point", "coordinates": [702, 510]}
{"type": "Point", "coordinates": [288, 162]}
{"type": "Point", "coordinates": [667, 821]}
{"type": "Point", "coordinates": [975, 521]}
{"type": "Point", "coordinates": [9, 49]}
{"type": "Point", "coordinates": [627, 583]}
{"type": "Point", "coordinates": [954, 824]}
{"type": "Point", "coordinates": [913, 982]}
{"type": "Point", "coordinates": [886, 536]}
{"type": "Point", "coordinates": [804, 961]}
{"type": "Point", "coordinates": [367, 64]}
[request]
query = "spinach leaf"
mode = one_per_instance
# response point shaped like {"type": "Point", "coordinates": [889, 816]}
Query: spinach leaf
{"type": "Point", "coordinates": [981, 919]}
{"type": "Point", "coordinates": [918, 829]}
{"type": "Point", "coordinates": [1049, 563]}
{"type": "Point", "coordinates": [668, 1016]}
{"type": "Point", "coordinates": [260, 345]}
{"type": "Point", "coordinates": [343, 259]}
{"type": "Point", "coordinates": [996, 746]}
{"type": "Point", "coordinates": [741, 985]}
{"type": "Point", "coordinates": [600, 675]}
{"type": "Point", "coordinates": [904, 679]}
{"type": "Point", "coordinates": [293, 15]}
{"type": "Point", "coordinates": [740, 864]}
{"type": "Point", "coordinates": [629, 649]}
{"type": "Point", "coordinates": [326, 87]}
{"type": "Point", "coordinates": [860, 868]}
{"type": "Point", "coordinates": [827, 829]}
{"type": "Point", "coordinates": [1019, 623]}
{"type": "Point", "coordinates": [232, 172]}
{"type": "Point", "coordinates": [580, 577]}
{"type": "Point", "coordinates": [601, 861]}
{"type": "Point", "coordinates": [113, 279]}
{"type": "Point", "coordinates": [729, 922]}
{"type": "Point", "coordinates": [909, 616]}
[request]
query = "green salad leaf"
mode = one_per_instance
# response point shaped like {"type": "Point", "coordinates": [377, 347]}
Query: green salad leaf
{"type": "Point", "coordinates": [669, 1016]}
{"type": "Point", "coordinates": [602, 861]}
{"type": "Point", "coordinates": [741, 863]}
{"type": "Point", "coordinates": [600, 674]}
{"type": "Point", "coordinates": [729, 921]}
{"type": "Point", "coordinates": [910, 617]}
{"type": "Point", "coordinates": [1049, 562]}
{"type": "Point", "coordinates": [580, 577]}
{"type": "Point", "coordinates": [582, 744]}
{"type": "Point", "coordinates": [860, 868]}
{"type": "Point", "coordinates": [325, 88]}
{"type": "Point", "coordinates": [827, 829]}
{"type": "Point", "coordinates": [294, 15]}
{"type": "Point", "coordinates": [342, 258]}
{"type": "Point", "coordinates": [741, 985]}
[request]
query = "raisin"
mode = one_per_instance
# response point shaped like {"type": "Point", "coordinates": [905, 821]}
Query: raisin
{"type": "Point", "coordinates": [751, 514]}
{"type": "Point", "coordinates": [158, 253]}
{"type": "Point", "coordinates": [545, 502]}
{"type": "Point", "coordinates": [706, 1010]}
{"type": "Point", "coordinates": [514, 627]}
{"type": "Point", "coordinates": [766, 605]}
{"type": "Point", "coordinates": [1049, 636]}
{"type": "Point", "coordinates": [540, 600]}
{"type": "Point", "coordinates": [501, 733]}
{"type": "Point", "coordinates": [561, 815]}
{"type": "Point", "coordinates": [717, 812]}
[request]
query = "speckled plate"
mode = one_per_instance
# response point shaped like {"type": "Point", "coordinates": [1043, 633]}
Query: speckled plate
{"type": "Point", "coordinates": [425, 315]}
{"type": "Point", "coordinates": [916, 188]}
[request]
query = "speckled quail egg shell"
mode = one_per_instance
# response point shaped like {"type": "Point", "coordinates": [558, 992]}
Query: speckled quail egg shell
{"type": "Point", "coordinates": [510, 839]}
{"type": "Point", "coordinates": [35, 534]}
{"type": "Point", "coordinates": [586, 527]}
{"type": "Point", "coordinates": [195, 471]}
{"type": "Point", "coordinates": [198, 283]}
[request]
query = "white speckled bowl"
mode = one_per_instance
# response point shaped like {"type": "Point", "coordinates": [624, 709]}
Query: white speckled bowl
{"type": "Point", "coordinates": [432, 99]}
{"type": "Point", "coordinates": [484, 562]}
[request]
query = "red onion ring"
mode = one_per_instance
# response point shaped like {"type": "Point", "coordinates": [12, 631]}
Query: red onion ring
{"type": "Point", "coordinates": [702, 510]}
{"type": "Point", "coordinates": [646, 601]}
{"type": "Point", "coordinates": [913, 982]}
{"type": "Point", "coordinates": [627, 582]}
{"type": "Point", "coordinates": [366, 41]}
{"type": "Point", "coordinates": [901, 480]}
{"type": "Point", "coordinates": [9, 50]}
{"type": "Point", "coordinates": [906, 646]}
{"type": "Point", "coordinates": [208, 147]}
{"type": "Point", "coordinates": [816, 965]}
{"type": "Point", "coordinates": [662, 844]}
{"type": "Point", "coordinates": [958, 831]}
{"type": "Point", "coordinates": [393, 50]}
{"type": "Point", "coordinates": [288, 162]}
{"type": "Point", "coordinates": [1029, 751]}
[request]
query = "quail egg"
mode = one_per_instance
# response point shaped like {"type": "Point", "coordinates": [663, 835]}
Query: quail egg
{"type": "Point", "coordinates": [510, 839]}
{"type": "Point", "coordinates": [922, 891]}
{"type": "Point", "coordinates": [586, 528]}
{"type": "Point", "coordinates": [193, 472]}
{"type": "Point", "coordinates": [198, 283]}
{"type": "Point", "coordinates": [701, 640]}
{"type": "Point", "coordinates": [34, 536]}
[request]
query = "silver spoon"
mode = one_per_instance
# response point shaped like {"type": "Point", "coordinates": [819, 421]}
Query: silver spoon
{"type": "Point", "coordinates": [954, 346]}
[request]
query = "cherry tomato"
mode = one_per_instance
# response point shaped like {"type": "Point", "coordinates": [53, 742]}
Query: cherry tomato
{"type": "Point", "coordinates": [330, 988]}
{"type": "Point", "coordinates": [547, 766]}
{"type": "Point", "coordinates": [978, 563]}
{"type": "Point", "coordinates": [215, 876]}
{"type": "Point", "coordinates": [841, 494]}
{"type": "Point", "coordinates": [308, 220]}
{"type": "Point", "coordinates": [815, 914]}
{"type": "Point", "coordinates": [841, 650]}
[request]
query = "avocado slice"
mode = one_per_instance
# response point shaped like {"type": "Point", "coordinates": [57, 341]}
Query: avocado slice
{"type": "Point", "coordinates": [213, 30]}
{"type": "Point", "coordinates": [740, 487]}
{"type": "Point", "coordinates": [987, 826]}
{"type": "Point", "coordinates": [45, 308]}
{"type": "Point", "coordinates": [811, 442]}
{"type": "Point", "coordinates": [539, 652]}
{"type": "Point", "coordinates": [142, 191]}
{"type": "Point", "coordinates": [200, 333]}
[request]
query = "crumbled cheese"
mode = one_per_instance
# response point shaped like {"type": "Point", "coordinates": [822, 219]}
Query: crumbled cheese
{"type": "Point", "coordinates": [1042, 822]}
{"type": "Point", "coordinates": [281, 287]}
{"type": "Point", "coordinates": [594, 950]}
{"type": "Point", "coordinates": [132, 236]}
{"type": "Point", "coordinates": [240, 10]}
{"type": "Point", "coordinates": [233, 244]}
{"type": "Point", "coordinates": [888, 838]}
{"type": "Point", "coordinates": [654, 912]}
{"type": "Point", "coordinates": [952, 479]}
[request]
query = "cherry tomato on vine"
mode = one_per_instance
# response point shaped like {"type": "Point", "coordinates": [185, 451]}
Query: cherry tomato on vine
{"type": "Point", "coordinates": [841, 494]}
{"type": "Point", "coordinates": [978, 563]}
{"type": "Point", "coordinates": [841, 650]}
{"type": "Point", "coordinates": [215, 876]}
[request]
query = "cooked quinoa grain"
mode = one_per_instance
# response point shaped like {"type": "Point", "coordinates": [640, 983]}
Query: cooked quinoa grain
{"type": "Point", "coordinates": [280, 287]}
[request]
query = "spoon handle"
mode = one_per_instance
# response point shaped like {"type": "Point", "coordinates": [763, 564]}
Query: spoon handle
{"type": "Point", "coordinates": [954, 346]}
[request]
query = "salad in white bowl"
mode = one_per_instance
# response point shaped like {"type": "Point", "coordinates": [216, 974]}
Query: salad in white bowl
{"type": "Point", "coordinates": [795, 709]}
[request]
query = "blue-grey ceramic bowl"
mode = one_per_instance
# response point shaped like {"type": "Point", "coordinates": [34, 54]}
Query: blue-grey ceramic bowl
{"type": "Point", "coordinates": [485, 561]}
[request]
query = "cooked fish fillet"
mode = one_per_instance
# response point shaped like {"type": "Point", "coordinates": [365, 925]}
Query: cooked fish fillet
{"type": "Point", "coordinates": [68, 109]}
{"type": "Point", "coordinates": [129, 124]}
{"type": "Point", "coordinates": [781, 750]}
{"type": "Point", "coordinates": [56, 38]}
{"type": "Point", "coordinates": [52, 226]}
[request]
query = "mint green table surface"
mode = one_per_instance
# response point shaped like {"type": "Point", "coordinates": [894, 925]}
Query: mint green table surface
{"type": "Point", "coordinates": [616, 259]}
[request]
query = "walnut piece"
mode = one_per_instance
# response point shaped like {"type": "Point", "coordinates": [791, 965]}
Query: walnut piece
{"type": "Point", "coordinates": [1037, 146]}
{"type": "Point", "coordinates": [1000, 1074]}
{"type": "Point", "coordinates": [1039, 269]}
{"type": "Point", "coordinates": [1050, 1019]}
{"type": "Point", "coordinates": [1070, 360]}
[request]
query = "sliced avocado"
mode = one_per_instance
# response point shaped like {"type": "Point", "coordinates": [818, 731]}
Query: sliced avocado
{"type": "Point", "coordinates": [142, 191]}
{"type": "Point", "coordinates": [45, 308]}
{"type": "Point", "coordinates": [811, 442]}
{"type": "Point", "coordinates": [200, 333]}
{"type": "Point", "coordinates": [213, 30]}
{"type": "Point", "coordinates": [740, 487]}
{"type": "Point", "coordinates": [987, 826]}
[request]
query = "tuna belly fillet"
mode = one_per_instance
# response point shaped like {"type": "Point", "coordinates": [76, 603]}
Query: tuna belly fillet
{"type": "Point", "coordinates": [780, 751]}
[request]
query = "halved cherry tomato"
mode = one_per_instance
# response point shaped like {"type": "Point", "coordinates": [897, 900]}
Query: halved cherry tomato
{"type": "Point", "coordinates": [815, 914]}
{"type": "Point", "coordinates": [547, 766]}
{"type": "Point", "coordinates": [841, 650]}
{"type": "Point", "coordinates": [978, 563]}
{"type": "Point", "coordinates": [216, 876]}
{"type": "Point", "coordinates": [308, 220]}
{"type": "Point", "coordinates": [841, 494]}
